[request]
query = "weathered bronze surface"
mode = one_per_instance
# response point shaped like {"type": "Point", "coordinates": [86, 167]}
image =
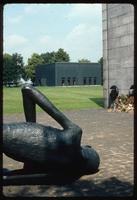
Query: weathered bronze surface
{"type": "Point", "coordinates": [44, 149]}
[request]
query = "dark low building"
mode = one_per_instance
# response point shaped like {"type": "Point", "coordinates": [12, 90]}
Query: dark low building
{"type": "Point", "coordinates": [64, 74]}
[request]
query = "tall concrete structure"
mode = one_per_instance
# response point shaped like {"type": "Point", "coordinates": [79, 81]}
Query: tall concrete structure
{"type": "Point", "coordinates": [118, 48]}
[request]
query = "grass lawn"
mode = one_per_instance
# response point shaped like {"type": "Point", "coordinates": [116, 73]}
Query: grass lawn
{"type": "Point", "coordinates": [64, 98]}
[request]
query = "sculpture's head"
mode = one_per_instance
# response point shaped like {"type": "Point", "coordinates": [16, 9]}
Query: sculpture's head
{"type": "Point", "coordinates": [91, 160]}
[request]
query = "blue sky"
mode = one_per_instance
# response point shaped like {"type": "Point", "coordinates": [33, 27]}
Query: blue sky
{"type": "Point", "coordinates": [41, 28]}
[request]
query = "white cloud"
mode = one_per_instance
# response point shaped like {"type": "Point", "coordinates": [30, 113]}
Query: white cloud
{"type": "Point", "coordinates": [85, 11]}
{"type": "Point", "coordinates": [12, 41]}
{"type": "Point", "coordinates": [15, 20]}
{"type": "Point", "coordinates": [35, 8]}
{"type": "Point", "coordinates": [85, 41]}
{"type": "Point", "coordinates": [47, 43]}
{"type": "Point", "coordinates": [46, 39]}
{"type": "Point", "coordinates": [81, 40]}
{"type": "Point", "coordinates": [80, 30]}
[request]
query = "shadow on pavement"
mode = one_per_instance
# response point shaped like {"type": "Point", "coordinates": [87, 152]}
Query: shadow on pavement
{"type": "Point", "coordinates": [111, 187]}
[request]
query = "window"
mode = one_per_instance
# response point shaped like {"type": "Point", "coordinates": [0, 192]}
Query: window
{"type": "Point", "coordinates": [43, 81]}
{"type": "Point", "coordinates": [63, 81]}
{"type": "Point", "coordinates": [90, 80]}
{"type": "Point", "coordinates": [39, 81]}
{"type": "Point", "coordinates": [74, 80]}
{"type": "Point", "coordinates": [94, 80]}
{"type": "Point", "coordinates": [68, 80]}
{"type": "Point", "coordinates": [84, 80]}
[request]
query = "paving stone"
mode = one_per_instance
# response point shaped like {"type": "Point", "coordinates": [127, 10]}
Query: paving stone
{"type": "Point", "coordinates": [111, 134]}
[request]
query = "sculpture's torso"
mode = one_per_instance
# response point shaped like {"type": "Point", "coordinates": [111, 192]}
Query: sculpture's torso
{"type": "Point", "coordinates": [32, 142]}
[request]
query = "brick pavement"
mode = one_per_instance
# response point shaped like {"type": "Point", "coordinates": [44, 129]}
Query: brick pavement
{"type": "Point", "coordinates": [111, 134]}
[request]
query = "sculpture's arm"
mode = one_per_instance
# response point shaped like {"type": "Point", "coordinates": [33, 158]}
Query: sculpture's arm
{"type": "Point", "coordinates": [31, 97]}
{"type": "Point", "coordinates": [29, 104]}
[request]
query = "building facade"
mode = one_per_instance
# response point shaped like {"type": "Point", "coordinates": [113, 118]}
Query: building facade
{"type": "Point", "coordinates": [66, 74]}
{"type": "Point", "coordinates": [118, 48]}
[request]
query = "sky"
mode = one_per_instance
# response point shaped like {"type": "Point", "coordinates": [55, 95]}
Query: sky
{"type": "Point", "coordinates": [41, 28]}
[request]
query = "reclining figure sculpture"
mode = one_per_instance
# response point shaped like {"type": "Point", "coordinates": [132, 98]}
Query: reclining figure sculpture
{"type": "Point", "coordinates": [44, 149]}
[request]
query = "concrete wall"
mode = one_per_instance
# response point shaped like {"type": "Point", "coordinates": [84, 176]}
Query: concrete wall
{"type": "Point", "coordinates": [118, 47]}
{"type": "Point", "coordinates": [59, 74]}
{"type": "Point", "coordinates": [82, 73]}
{"type": "Point", "coordinates": [45, 75]}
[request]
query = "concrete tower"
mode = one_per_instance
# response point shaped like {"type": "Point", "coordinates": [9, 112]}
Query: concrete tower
{"type": "Point", "coordinates": [118, 48]}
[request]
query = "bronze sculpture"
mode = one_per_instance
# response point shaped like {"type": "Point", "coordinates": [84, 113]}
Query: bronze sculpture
{"type": "Point", "coordinates": [44, 149]}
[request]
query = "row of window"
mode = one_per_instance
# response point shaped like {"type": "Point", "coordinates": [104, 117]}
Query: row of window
{"type": "Point", "coordinates": [74, 81]}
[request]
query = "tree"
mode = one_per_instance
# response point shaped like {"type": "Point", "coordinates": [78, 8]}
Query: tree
{"type": "Point", "coordinates": [44, 58]}
{"type": "Point", "coordinates": [61, 56]}
{"type": "Point", "coordinates": [7, 68]}
{"type": "Point", "coordinates": [48, 57]}
{"type": "Point", "coordinates": [83, 60]}
{"type": "Point", "coordinates": [12, 68]}
{"type": "Point", "coordinates": [53, 57]}
{"type": "Point", "coordinates": [100, 61]}
{"type": "Point", "coordinates": [35, 60]}
{"type": "Point", "coordinates": [18, 67]}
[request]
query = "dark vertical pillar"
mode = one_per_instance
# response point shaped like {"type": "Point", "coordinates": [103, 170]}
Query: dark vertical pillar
{"type": "Point", "coordinates": [135, 93]}
{"type": "Point", "coordinates": [1, 81]}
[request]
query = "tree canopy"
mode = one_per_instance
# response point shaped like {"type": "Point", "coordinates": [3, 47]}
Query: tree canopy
{"type": "Point", "coordinates": [13, 68]}
{"type": "Point", "coordinates": [44, 58]}
{"type": "Point", "coordinates": [33, 61]}
{"type": "Point", "coordinates": [100, 61]}
{"type": "Point", "coordinates": [83, 60]}
{"type": "Point", "coordinates": [61, 56]}
{"type": "Point", "coordinates": [53, 57]}
{"type": "Point", "coordinates": [48, 57]}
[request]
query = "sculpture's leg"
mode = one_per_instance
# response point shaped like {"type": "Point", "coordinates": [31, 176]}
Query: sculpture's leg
{"type": "Point", "coordinates": [31, 97]}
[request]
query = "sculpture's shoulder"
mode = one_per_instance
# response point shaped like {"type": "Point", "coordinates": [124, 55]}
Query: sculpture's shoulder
{"type": "Point", "coordinates": [29, 128]}
{"type": "Point", "coordinates": [75, 130]}
{"type": "Point", "coordinates": [72, 136]}
{"type": "Point", "coordinates": [21, 126]}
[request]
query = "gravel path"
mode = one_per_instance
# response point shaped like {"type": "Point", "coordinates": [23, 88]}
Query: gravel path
{"type": "Point", "coordinates": [111, 134]}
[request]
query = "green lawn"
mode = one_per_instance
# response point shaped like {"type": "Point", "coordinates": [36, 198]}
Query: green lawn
{"type": "Point", "coordinates": [65, 98]}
